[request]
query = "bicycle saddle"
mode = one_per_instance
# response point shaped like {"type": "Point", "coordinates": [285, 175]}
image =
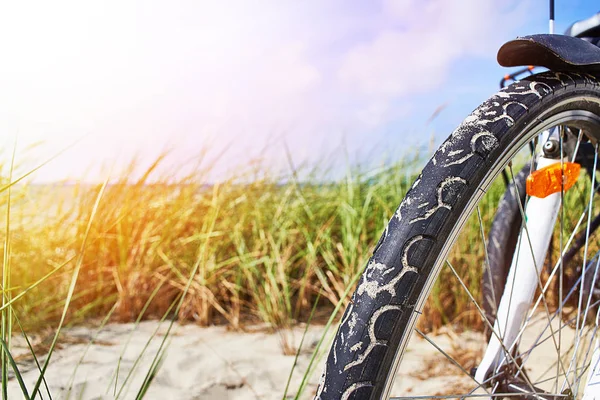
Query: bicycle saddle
{"type": "Point", "coordinates": [555, 52]}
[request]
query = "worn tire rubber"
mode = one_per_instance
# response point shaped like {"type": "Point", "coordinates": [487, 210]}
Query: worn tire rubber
{"type": "Point", "coordinates": [380, 318]}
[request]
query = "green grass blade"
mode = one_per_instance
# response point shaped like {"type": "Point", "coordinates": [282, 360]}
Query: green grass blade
{"type": "Point", "coordinates": [92, 340]}
{"type": "Point", "coordinates": [152, 372]}
{"type": "Point", "coordinates": [36, 284]}
{"type": "Point", "coordinates": [32, 171]}
{"type": "Point", "coordinates": [201, 256]}
{"type": "Point", "coordinates": [139, 358]}
{"type": "Point", "coordinates": [71, 288]}
{"type": "Point", "coordinates": [135, 326]}
{"type": "Point", "coordinates": [322, 339]}
{"type": "Point", "coordinates": [310, 317]}
{"type": "Point", "coordinates": [7, 313]}
{"type": "Point", "coordinates": [6, 351]}
{"type": "Point", "coordinates": [32, 351]}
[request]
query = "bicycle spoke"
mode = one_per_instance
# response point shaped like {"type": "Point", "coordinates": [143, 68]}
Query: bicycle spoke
{"type": "Point", "coordinates": [539, 341]}
{"type": "Point", "coordinates": [560, 245]}
{"type": "Point", "coordinates": [590, 203]}
{"type": "Point", "coordinates": [482, 314]}
{"type": "Point", "coordinates": [587, 353]}
{"type": "Point", "coordinates": [540, 286]}
{"type": "Point", "coordinates": [589, 299]}
{"type": "Point", "coordinates": [518, 248]}
{"type": "Point", "coordinates": [555, 363]}
{"type": "Point", "coordinates": [579, 138]}
{"type": "Point", "coordinates": [487, 258]}
{"type": "Point", "coordinates": [546, 287]}
{"type": "Point", "coordinates": [554, 377]}
{"type": "Point", "coordinates": [448, 357]}
{"type": "Point", "coordinates": [562, 303]}
{"type": "Point", "coordinates": [472, 396]}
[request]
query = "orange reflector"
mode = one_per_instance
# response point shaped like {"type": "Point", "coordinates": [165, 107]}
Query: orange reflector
{"type": "Point", "coordinates": [547, 180]}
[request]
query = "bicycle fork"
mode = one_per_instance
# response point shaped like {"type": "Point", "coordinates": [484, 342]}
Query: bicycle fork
{"type": "Point", "coordinates": [523, 279]}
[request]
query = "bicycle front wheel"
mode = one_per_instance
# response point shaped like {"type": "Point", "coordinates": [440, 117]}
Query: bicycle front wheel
{"type": "Point", "coordinates": [437, 239]}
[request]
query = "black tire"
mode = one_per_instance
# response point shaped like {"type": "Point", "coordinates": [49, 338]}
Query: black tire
{"type": "Point", "coordinates": [378, 323]}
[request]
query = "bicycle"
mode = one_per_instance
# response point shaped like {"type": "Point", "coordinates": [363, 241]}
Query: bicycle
{"type": "Point", "coordinates": [539, 138]}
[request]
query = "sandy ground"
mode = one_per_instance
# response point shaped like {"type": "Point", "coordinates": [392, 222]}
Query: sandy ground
{"type": "Point", "coordinates": [213, 363]}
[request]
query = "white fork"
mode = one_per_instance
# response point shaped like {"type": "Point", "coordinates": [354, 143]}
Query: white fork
{"type": "Point", "coordinates": [523, 278]}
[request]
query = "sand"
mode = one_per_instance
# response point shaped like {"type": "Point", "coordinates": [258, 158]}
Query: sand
{"type": "Point", "coordinates": [214, 363]}
{"type": "Point", "coordinates": [200, 363]}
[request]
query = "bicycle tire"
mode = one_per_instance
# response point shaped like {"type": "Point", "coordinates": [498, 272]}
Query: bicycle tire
{"type": "Point", "coordinates": [379, 321]}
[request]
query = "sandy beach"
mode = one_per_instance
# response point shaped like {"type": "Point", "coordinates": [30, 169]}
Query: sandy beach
{"type": "Point", "coordinates": [199, 363]}
{"type": "Point", "coordinates": [214, 363]}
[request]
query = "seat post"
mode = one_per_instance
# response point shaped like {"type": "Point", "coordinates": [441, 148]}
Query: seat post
{"type": "Point", "coordinates": [551, 22]}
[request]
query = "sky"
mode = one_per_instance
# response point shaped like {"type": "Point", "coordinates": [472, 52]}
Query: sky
{"type": "Point", "coordinates": [325, 82]}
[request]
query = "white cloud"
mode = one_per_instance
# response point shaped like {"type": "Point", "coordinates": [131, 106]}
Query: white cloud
{"type": "Point", "coordinates": [420, 41]}
{"type": "Point", "coordinates": [137, 75]}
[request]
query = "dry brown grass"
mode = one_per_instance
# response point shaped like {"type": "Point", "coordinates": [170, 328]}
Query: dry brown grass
{"type": "Point", "coordinates": [264, 249]}
{"type": "Point", "coordinates": [265, 246]}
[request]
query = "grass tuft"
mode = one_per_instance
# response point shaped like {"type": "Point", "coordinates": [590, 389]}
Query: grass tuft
{"type": "Point", "coordinates": [275, 243]}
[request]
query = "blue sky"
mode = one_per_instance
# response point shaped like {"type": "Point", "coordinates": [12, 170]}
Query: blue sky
{"type": "Point", "coordinates": [479, 77]}
{"type": "Point", "coordinates": [248, 78]}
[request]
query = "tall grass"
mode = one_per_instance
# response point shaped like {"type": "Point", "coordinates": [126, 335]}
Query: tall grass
{"type": "Point", "coordinates": [256, 248]}
{"type": "Point", "coordinates": [275, 244]}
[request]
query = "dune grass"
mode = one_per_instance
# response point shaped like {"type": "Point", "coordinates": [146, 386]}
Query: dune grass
{"type": "Point", "coordinates": [256, 248]}
{"type": "Point", "coordinates": [270, 246]}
